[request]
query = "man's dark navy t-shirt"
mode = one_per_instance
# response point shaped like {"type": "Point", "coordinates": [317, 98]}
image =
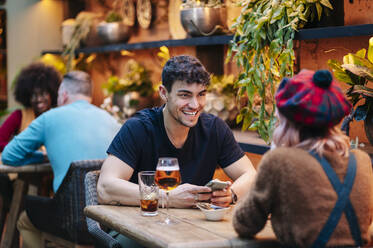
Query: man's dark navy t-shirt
{"type": "Point", "coordinates": [143, 139]}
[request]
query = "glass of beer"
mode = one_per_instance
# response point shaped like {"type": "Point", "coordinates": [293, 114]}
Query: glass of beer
{"type": "Point", "coordinates": [167, 177]}
{"type": "Point", "coordinates": [149, 193]}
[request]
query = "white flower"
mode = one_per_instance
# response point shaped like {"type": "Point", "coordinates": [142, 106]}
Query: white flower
{"type": "Point", "coordinates": [218, 104]}
{"type": "Point", "coordinates": [107, 101]}
{"type": "Point", "coordinates": [115, 109]}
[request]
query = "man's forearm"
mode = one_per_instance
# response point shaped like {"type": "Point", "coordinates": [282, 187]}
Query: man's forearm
{"type": "Point", "coordinates": [242, 185]}
{"type": "Point", "coordinates": [117, 191]}
{"type": "Point", "coordinates": [11, 156]}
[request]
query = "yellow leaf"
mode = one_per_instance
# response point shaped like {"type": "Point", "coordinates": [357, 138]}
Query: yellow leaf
{"type": "Point", "coordinates": [326, 3]}
{"type": "Point", "coordinates": [319, 10]}
{"type": "Point", "coordinates": [303, 18]}
{"type": "Point", "coordinates": [164, 49]}
{"type": "Point", "coordinates": [347, 59]}
{"type": "Point", "coordinates": [126, 53]}
{"type": "Point", "coordinates": [90, 58]}
{"type": "Point", "coordinates": [370, 50]}
{"type": "Point", "coordinates": [361, 53]}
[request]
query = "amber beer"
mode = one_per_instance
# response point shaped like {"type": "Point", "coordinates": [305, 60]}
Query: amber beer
{"type": "Point", "coordinates": [149, 193]}
{"type": "Point", "coordinates": [167, 178]}
{"type": "Point", "coordinates": [150, 206]}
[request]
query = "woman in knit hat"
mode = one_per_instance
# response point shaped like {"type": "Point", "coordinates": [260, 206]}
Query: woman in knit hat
{"type": "Point", "coordinates": [317, 191]}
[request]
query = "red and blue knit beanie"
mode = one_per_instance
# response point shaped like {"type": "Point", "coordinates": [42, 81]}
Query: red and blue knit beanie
{"type": "Point", "coordinates": [312, 99]}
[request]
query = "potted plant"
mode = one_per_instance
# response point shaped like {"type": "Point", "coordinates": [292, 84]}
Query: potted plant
{"type": "Point", "coordinates": [131, 92]}
{"type": "Point", "coordinates": [356, 70]}
{"type": "Point", "coordinates": [263, 48]}
{"type": "Point", "coordinates": [203, 17]}
{"type": "Point", "coordinates": [220, 99]}
{"type": "Point", "coordinates": [113, 29]}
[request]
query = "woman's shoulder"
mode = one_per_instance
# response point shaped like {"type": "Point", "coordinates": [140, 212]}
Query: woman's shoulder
{"type": "Point", "coordinates": [362, 157]}
{"type": "Point", "coordinates": [360, 153]}
{"type": "Point", "coordinates": [17, 112]}
{"type": "Point", "coordinates": [283, 157]}
{"type": "Point", "coordinates": [286, 153]}
{"type": "Point", "coordinates": [15, 115]}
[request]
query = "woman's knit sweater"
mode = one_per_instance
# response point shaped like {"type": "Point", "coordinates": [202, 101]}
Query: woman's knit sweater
{"type": "Point", "coordinates": [292, 187]}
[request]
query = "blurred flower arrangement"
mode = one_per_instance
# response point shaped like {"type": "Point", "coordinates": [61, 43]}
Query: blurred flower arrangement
{"type": "Point", "coordinates": [81, 62]}
{"type": "Point", "coordinates": [125, 94]}
{"type": "Point", "coordinates": [221, 97]}
{"type": "Point", "coordinates": [136, 78]}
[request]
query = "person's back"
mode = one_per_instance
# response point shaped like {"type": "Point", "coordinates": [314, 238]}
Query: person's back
{"type": "Point", "coordinates": [77, 131]}
{"type": "Point", "coordinates": [318, 192]}
{"type": "Point", "coordinates": [300, 197]}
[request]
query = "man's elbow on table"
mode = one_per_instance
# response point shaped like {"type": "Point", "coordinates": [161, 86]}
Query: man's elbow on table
{"type": "Point", "coordinates": [11, 157]}
{"type": "Point", "coordinates": [103, 195]}
{"type": "Point", "coordinates": [8, 159]}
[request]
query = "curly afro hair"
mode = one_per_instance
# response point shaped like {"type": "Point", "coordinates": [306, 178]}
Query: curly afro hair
{"type": "Point", "coordinates": [36, 76]}
{"type": "Point", "coordinates": [184, 68]}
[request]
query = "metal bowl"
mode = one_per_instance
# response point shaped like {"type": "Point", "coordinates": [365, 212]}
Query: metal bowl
{"type": "Point", "coordinates": [204, 21]}
{"type": "Point", "coordinates": [113, 32]}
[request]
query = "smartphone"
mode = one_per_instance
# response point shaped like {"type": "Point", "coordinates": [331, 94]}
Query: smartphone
{"type": "Point", "coordinates": [216, 184]}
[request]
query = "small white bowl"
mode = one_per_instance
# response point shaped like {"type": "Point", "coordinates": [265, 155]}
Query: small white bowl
{"type": "Point", "coordinates": [214, 214]}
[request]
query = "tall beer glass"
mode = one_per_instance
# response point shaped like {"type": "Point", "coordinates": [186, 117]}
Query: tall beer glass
{"type": "Point", "coordinates": [167, 177]}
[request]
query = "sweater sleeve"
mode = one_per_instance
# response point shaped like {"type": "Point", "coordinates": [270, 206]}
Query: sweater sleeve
{"type": "Point", "coordinates": [10, 127]}
{"type": "Point", "coordinates": [22, 149]}
{"type": "Point", "coordinates": [251, 213]}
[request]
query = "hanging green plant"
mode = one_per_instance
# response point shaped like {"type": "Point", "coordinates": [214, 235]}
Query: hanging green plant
{"type": "Point", "coordinates": [263, 49]}
{"type": "Point", "coordinates": [83, 25]}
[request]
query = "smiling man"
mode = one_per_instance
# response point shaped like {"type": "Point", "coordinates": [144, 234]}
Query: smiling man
{"type": "Point", "coordinates": [178, 129]}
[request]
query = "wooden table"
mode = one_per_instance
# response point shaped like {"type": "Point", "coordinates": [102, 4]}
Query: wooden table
{"type": "Point", "coordinates": [191, 231]}
{"type": "Point", "coordinates": [25, 174]}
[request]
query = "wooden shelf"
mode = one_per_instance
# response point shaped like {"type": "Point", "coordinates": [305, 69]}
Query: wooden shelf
{"type": "Point", "coordinates": [304, 34]}
{"type": "Point", "coordinates": [250, 142]}
{"type": "Point", "coordinates": [195, 41]}
{"type": "Point", "coordinates": [334, 32]}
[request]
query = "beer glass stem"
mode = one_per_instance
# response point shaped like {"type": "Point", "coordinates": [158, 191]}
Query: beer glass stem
{"type": "Point", "coordinates": [167, 220]}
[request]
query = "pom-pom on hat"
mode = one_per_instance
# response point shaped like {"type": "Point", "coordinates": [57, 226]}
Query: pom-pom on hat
{"type": "Point", "coordinates": [312, 99]}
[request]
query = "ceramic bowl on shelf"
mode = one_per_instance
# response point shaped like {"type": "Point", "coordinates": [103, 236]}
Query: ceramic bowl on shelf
{"type": "Point", "coordinates": [204, 21]}
{"type": "Point", "coordinates": [212, 212]}
{"type": "Point", "coordinates": [113, 32]}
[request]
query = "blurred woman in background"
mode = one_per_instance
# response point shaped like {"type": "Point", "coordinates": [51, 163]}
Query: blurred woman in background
{"type": "Point", "coordinates": [316, 191]}
{"type": "Point", "coordinates": [36, 89]}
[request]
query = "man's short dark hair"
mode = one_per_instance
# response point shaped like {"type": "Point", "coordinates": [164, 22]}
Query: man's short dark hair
{"type": "Point", "coordinates": [186, 69]}
{"type": "Point", "coordinates": [36, 76]}
{"type": "Point", "coordinates": [77, 82]}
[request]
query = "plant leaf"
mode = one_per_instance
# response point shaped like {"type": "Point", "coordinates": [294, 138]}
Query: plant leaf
{"type": "Point", "coordinates": [319, 10]}
{"type": "Point", "coordinates": [365, 91]}
{"type": "Point", "coordinates": [360, 71]}
{"type": "Point", "coordinates": [326, 3]}
{"type": "Point", "coordinates": [361, 53]}
{"type": "Point", "coordinates": [370, 50]}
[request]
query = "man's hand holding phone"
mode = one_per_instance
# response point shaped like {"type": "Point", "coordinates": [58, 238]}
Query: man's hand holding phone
{"type": "Point", "coordinates": [221, 193]}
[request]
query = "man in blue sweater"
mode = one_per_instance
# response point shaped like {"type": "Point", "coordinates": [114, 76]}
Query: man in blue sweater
{"type": "Point", "coordinates": [76, 130]}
